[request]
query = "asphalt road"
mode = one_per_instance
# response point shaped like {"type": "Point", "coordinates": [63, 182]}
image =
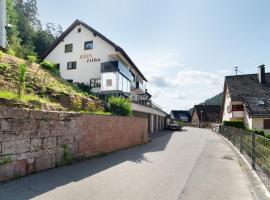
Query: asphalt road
{"type": "Point", "coordinates": [191, 165]}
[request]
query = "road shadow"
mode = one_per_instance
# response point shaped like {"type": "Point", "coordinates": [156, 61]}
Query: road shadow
{"type": "Point", "coordinates": [37, 184]}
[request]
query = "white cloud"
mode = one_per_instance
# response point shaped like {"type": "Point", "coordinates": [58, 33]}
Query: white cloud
{"type": "Point", "coordinates": [174, 85]}
{"type": "Point", "coordinates": [194, 77]}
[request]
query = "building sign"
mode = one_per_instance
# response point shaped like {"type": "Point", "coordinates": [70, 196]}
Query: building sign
{"type": "Point", "coordinates": [89, 58]}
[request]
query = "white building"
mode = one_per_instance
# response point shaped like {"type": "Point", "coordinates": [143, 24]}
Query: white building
{"type": "Point", "coordinates": [84, 55]}
{"type": "Point", "coordinates": [247, 98]}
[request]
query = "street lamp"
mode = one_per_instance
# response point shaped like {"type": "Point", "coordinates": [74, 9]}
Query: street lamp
{"type": "Point", "coordinates": [201, 118]}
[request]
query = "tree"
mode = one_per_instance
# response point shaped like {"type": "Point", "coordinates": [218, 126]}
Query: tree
{"type": "Point", "coordinates": [27, 36]}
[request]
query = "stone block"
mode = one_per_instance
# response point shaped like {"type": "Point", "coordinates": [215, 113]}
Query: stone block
{"type": "Point", "coordinates": [43, 133]}
{"type": "Point", "coordinates": [49, 143]}
{"type": "Point", "coordinates": [59, 132]}
{"type": "Point", "coordinates": [15, 147]}
{"type": "Point", "coordinates": [42, 115]}
{"type": "Point", "coordinates": [20, 168]}
{"type": "Point", "coordinates": [36, 144]}
{"type": "Point", "coordinates": [64, 140]}
{"type": "Point", "coordinates": [45, 162]}
{"type": "Point", "coordinates": [12, 113]}
{"type": "Point", "coordinates": [11, 125]}
{"type": "Point", "coordinates": [6, 171]}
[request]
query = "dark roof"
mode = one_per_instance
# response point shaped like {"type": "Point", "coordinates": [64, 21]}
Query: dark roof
{"type": "Point", "coordinates": [255, 96]}
{"type": "Point", "coordinates": [177, 114]}
{"type": "Point", "coordinates": [78, 22]}
{"type": "Point", "coordinates": [210, 113]}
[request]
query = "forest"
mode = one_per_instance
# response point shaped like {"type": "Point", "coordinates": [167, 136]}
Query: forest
{"type": "Point", "coordinates": [26, 35]}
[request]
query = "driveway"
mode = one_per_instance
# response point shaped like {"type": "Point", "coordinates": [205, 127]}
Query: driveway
{"type": "Point", "coordinates": [194, 164]}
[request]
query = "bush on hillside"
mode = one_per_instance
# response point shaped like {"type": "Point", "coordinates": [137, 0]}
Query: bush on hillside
{"type": "Point", "coordinates": [21, 77]}
{"type": "Point", "coordinates": [49, 66]}
{"type": "Point", "coordinates": [120, 106]}
{"type": "Point", "coordinates": [235, 124]}
{"type": "Point", "coordinates": [32, 59]}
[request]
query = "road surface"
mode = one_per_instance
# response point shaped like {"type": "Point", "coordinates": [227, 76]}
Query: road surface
{"type": "Point", "coordinates": [191, 165]}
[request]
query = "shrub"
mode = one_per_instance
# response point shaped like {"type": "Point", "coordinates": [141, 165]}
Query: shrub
{"type": "Point", "coordinates": [11, 52]}
{"type": "Point", "coordinates": [261, 133]}
{"type": "Point", "coordinates": [236, 124]}
{"type": "Point", "coordinates": [5, 160]}
{"type": "Point", "coordinates": [1, 54]}
{"type": "Point", "coordinates": [83, 87]}
{"type": "Point", "coordinates": [49, 66]}
{"type": "Point", "coordinates": [3, 67]}
{"type": "Point", "coordinates": [32, 59]}
{"type": "Point", "coordinates": [67, 153]}
{"type": "Point", "coordinates": [268, 136]}
{"type": "Point", "coordinates": [21, 77]}
{"type": "Point", "coordinates": [120, 106]}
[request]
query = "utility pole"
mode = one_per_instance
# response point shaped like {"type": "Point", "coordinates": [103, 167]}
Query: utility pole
{"type": "Point", "coordinates": [3, 22]}
{"type": "Point", "coordinates": [236, 70]}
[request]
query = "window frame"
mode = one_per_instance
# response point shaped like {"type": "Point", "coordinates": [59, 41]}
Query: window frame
{"type": "Point", "coordinates": [66, 48]}
{"type": "Point", "coordinates": [95, 82]}
{"type": "Point", "coordinates": [72, 67]}
{"type": "Point", "coordinates": [109, 81]}
{"type": "Point", "coordinates": [237, 107]}
{"type": "Point", "coordinates": [85, 44]}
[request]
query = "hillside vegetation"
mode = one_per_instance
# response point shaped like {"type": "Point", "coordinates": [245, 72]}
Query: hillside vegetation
{"type": "Point", "coordinates": [42, 88]}
{"type": "Point", "coordinates": [216, 100]}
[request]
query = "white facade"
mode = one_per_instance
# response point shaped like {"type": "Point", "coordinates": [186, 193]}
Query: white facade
{"type": "Point", "coordinates": [228, 114]}
{"type": "Point", "coordinates": [88, 62]}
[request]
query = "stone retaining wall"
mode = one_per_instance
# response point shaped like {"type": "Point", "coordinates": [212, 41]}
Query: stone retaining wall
{"type": "Point", "coordinates": [32, 141]}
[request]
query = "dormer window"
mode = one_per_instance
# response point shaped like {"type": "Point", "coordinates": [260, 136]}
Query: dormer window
{"type": "Point", "coordinates": [68, 48]}
{"type": "Point", "coordinates": [260, 102]}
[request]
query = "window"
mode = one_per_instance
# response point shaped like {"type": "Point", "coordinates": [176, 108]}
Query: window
{"type": "Point", "coordinates": [266, 124]}
{"type": "Point", "coordinates": [95, 82]}
{"type": "Point", "coordinates": [71, 65]}
{"type": "Point", "coordinates": [88, 45]}
{"type": "Point", "coordinates": [68, 48]}
{"type": "Point", "coordinates": [237, 108]}
{"type": "Point", "coordinates": [79, 30]}
{"type": "Point", "coordinates": [109, 82]}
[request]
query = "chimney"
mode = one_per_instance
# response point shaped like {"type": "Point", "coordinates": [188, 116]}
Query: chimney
{"type": "Point", "coordinates": [261, 74]}
{"type": "Point", "coordinates": [3, 24]}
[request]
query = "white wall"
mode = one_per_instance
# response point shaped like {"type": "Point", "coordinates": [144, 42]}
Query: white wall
{"type": "Point", "coordinates": [85, 70]}
{"type": "Point", "coordinates": [226, 115]}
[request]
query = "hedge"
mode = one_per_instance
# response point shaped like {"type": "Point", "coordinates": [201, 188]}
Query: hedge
{"type": "Point", "coordinates": [235, 123]}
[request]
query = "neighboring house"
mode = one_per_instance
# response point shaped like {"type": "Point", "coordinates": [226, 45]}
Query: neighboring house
{"type": "Point", "coordinates": [247, 98]}
{"type": "Point", "coordinates": [180, 115]}
{"type": "Point", "coordinates": [202, 115]}
{"type": "Point", "coordinates": [83, 55]}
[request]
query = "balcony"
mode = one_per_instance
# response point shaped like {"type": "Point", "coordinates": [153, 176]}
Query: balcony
{"type": "Point", "coordinates": [116, 66]}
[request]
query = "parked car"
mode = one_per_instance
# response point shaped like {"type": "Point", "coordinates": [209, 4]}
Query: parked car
{"type": "Point", "coordinates": [175, 125]}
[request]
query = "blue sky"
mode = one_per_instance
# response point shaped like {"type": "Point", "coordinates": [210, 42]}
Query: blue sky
{"type": "Point", "coordinates": [185, 48]}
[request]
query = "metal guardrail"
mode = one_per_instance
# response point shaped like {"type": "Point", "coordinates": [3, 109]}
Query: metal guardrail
{"type": "Point", "coordinates": [255, 148]}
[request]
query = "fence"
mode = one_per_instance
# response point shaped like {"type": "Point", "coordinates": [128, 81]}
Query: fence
{"type": "Point", "coordinates": [255, 148]}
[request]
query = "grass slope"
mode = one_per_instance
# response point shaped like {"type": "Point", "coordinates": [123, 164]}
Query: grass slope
{"type": "Point", "coordinates": [44, 89]}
